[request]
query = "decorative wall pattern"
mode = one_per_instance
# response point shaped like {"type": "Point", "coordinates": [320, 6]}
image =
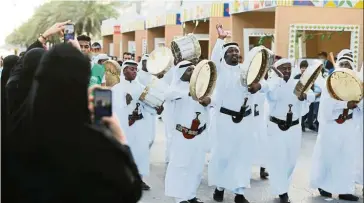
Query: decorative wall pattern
{"type": "Point", "coordinates": [238, 6]}
{"type": "Point", "coordinates": [354, 39]}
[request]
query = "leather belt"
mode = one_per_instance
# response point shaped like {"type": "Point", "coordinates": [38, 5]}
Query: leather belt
{"type": "Point", "coordinates": [237, 117]}
{"type": "Point", "coordinates": [183, 129]}
{"type": "Point", "coordinates": [283, 124]}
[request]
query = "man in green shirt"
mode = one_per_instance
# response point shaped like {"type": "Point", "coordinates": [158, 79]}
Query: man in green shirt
{"type": "Point", "coordinates": [98, 69]}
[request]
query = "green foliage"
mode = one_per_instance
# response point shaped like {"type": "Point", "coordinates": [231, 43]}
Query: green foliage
{"type": "Point", "coordinates": [86, 15]}
{"type": "Point", "coordinates": [265, 37]}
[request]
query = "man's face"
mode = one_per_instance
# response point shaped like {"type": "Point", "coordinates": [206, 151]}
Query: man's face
{"type": "Point", "coordinates": [126, 57]}
{"type": "Point", "coordinates": [144, 65]}
{"type": "Point", "coordinates": [232, 56]}
{"type": "Point", "coordinates": [285, 69]}
{"type": "Point", "coordinates": [96, 50]}
{"type": "Point", "coordinates": [130, 72]}
{"type": "Point", "coordinates": [322, 57]}
{"type": "Point", "coordinates": [85, 46]}
{"type": "Point", "coordinates": [303, 68]}
{"type": "Point", "coordinates": [187, 74]}
{"type": "Point", "coordinates": [345, 64]}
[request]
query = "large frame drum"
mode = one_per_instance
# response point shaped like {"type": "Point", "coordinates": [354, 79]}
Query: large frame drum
{"type": "Point", "coordinates": [343, 84]}
{"type": "Point", "coordinates": [186, 48]}
{"type": "Point", "coordinates": [112, 73]}
{"type": "Point", "coordinates": [153, 93]}
{"type": "Point", "coordinates": [160, 61]}
{"type": "Point", "coordinates": [203, 80]}
{"type": "Point", "coordinates": [256, 65]}
{"type": "Point", "coordinates": [308, 78]}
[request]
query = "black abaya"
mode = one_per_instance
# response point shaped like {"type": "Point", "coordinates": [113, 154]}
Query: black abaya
{"type": "Point", "coordinates": [63, 158]}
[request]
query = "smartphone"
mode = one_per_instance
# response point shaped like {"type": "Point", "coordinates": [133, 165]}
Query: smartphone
{"type": "Point", "coordinates": [102, 104]}
{"type": "Point", "coordinates": [69, 32]}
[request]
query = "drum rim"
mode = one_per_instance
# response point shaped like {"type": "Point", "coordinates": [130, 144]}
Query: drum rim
{"type": "Point", "coordinates": [264, 66]}
{"type": "Point", "coordinates": [176, 52]}
{"type": "Point", "coordinates": [303, 88]}
{"type": "Point", "coordinates": [347, 71]}
{"type": "Point", "coordinates": [212, 82]}
{"type": "Point", "coordinates": [169, 65]}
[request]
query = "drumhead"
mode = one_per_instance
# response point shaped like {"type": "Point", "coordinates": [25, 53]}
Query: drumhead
{"type": "Point", "coordinates": [112, 73]}
{"type": "Point", "coordinates": [203, 80]}
{"type": "Point", "coordinates": [308, 78]}
{"type": "Point", "coordinates": [254, 68]}
{"type": "Point", "coordinates": [160, 60]}
{"type": "Point", "coordinates": [343, 84]}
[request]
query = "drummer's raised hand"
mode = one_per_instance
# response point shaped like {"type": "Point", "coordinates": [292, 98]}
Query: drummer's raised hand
{"type": "Point", "coordinates": [221, 33]}
{"type": "Point", "coordinates": [302, 97]}
{"type": "Point", "coordinates": [128, 99]}
{"type": "Point", "coordinates": [160, 76]}
{"type": "Point", "coordinates": [254, 87]}
{"type": "Point", "coordinates": [159, 110]}
{"type": "Point", "coordinates": [352, 105]}
{"type": "Point", "coordinates": [205, 101]}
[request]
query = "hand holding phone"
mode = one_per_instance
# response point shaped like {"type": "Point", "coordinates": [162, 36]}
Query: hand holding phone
{"type": "Point", "coordinates": [69, 32]}
{"type": "Point", "coordinates": [102, 104]}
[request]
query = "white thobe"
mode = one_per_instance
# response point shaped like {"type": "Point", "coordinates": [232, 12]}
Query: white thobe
{"type": "Point", "coordinates": [167, 114]}
{"type": "Point", "coordinates": [284, 146]}
{"type": "Point", "coordinates": [187, 156]}
{"type": "Point", "coordinates": [233, 144]}
{"type": "Point", "coordinates": [358, 118]}
{"type": "Point", "coordinates": [260, 120]}
{"type": "Point", "coordinates": [138, 135]}
{"type": "Point", "coordinates": [333, 165]}
{"type": "Point", "coordinates": [145, 79]}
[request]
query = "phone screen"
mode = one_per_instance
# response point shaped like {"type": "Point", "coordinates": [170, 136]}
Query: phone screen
{"type": "Point", "coordinates": [69, 32]}
{"type": "Point", "coordinates": [102, 104]}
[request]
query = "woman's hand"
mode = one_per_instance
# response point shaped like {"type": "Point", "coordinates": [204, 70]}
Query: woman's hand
{"type": "Point", "coordinates": [112, 122]}
{"type": "Point", "coordinates": [75, 43]}
{"type": "Point", "coordinates": [56, 28]}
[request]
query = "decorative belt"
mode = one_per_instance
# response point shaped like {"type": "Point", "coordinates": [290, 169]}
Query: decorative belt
{"type": "Point", "coordinates": [190, 132]}
{"type": "Point", "coordinates": [343, 118]}
{"type": "Point", "coordinates": [283, 124]}
{"type": "Point", "coordinates": [236, 116]}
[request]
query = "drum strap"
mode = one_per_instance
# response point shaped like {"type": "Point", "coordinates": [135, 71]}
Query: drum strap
{"type": "Point", "coordinates": [283, 125]}
{"type": "Point", "coordinates": [183, 129]}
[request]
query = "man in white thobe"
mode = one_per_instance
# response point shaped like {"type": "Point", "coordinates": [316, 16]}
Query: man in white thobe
{"type": "Point", "coordinates": [189, 138]}
{"type": "Point", "coordinates": [333, 167]}
{"type": "Point", "coordinates": [284, 131]}
{"type": "Point", "coordinates": [135, 117]}
{"type": "Point", "coordinates": [145, 78]}
{"type": "Point", "coordinates": [233, 143]}
{"type": "Point", "coordinates": [260, 110]}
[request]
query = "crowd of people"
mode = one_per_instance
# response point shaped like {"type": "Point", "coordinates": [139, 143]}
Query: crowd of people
{"type": "Point", "coordinates": [53, 152]}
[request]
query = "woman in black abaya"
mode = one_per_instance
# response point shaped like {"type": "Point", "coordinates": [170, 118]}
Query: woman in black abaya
{"type": "Point", "coordinates": [9, 62]}
{"type": "Point", "coordinates": [64, 157]}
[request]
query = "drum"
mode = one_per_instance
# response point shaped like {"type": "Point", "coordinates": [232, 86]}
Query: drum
{"type": "Point", "coordinates": [203, 80]}
{"type": "Point", "coordinates": [256, 64]}
{"type": "Point", "coordinates": [343, 84]}
{"type": "Point", "coordinates": [153, 93]}
{"type": "Point", "coordinates": [308, 78]}
{"type": "Point", "coordinates": [186, 48]}
{"type": "Point", "coordinates": [112, 73]}
{"type": "Point", "coordinates": [160, 61]}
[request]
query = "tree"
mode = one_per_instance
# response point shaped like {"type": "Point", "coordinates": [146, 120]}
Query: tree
{"type": "Point", "coordinates": [87, 16]}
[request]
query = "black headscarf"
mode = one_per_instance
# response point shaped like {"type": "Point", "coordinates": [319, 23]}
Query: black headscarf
{"type": "Point", "coordinates": [63, 157]}
{"type": "Point", "coordinates": [9, 62]}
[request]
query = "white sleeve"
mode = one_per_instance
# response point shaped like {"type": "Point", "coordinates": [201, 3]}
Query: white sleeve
{"type": "Point", "coordinates": [216, 51]}
{"type": "Point", "coordinates": [103, 79]}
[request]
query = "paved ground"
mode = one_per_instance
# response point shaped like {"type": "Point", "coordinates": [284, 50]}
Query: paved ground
{"type": "Point", "coordinates": [299, 191]}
